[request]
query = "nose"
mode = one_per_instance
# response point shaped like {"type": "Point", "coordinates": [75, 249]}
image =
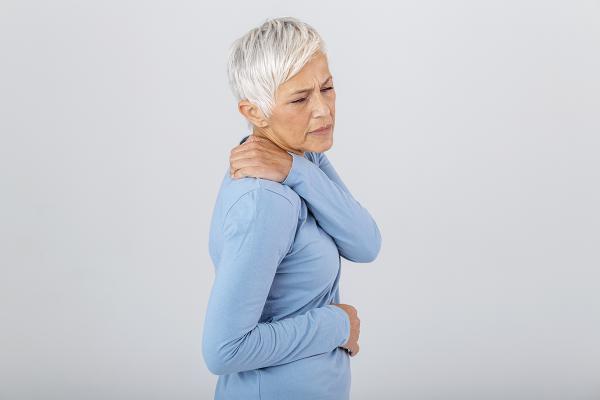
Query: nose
{"type": "Point", "coordinates": [320, 108]}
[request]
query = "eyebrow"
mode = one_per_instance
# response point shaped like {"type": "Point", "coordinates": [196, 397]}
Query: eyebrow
{"type": "Point", "coordinates": [309, 89]}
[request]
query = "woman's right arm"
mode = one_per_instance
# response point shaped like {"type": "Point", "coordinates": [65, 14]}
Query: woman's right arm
{"type": "Point", "coordinates": [259, 230]}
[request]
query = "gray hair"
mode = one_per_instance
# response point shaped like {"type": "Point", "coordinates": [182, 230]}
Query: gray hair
{"type": "Point", "coordinates": [267, 56]}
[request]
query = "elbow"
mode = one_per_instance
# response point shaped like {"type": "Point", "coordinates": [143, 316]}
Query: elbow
{"type": "Point", "coordinates": [217, 362]}
{"type": "Point", "coordinates": [371, 252]}
{"type": "Point", "coordinates": [371, 248]}
{"type": "Point", "coordinates": [224, 355]}
{"type": "Point", "coordinates": [214, 364]}
{"type": "Point", "coordinates": [375, 248]}
{"type": "Point", "coordinates": [377, 243]}
{"type": "Point", "coordinates": [216, 357]}
{"type": "Point", "coordinates": [366, 253]}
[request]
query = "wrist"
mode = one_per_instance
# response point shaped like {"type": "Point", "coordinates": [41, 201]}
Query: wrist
{"type": "Point", "coordinates": [297, 168]}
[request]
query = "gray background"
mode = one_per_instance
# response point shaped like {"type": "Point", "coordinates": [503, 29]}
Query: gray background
{"type": "Point", "coordinates": [470, 130]}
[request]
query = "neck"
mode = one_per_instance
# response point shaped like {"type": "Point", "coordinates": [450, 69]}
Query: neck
{"type": "Point", "coordinates": [269, 136]}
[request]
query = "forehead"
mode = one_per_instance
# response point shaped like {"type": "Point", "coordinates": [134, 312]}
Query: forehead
{"type": "Point", "coordinates": [316, 70]}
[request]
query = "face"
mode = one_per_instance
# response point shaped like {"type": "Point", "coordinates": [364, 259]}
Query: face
{"type": "Point", "coordinates": [303, 103]}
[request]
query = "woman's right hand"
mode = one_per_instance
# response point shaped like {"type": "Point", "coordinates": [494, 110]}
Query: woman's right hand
{"type": "Point", "coordinates": [352, 344]}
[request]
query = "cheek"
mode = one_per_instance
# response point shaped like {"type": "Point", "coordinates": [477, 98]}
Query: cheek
{"type": "Point", "coordinates": [298, 120]}
{"type": "Point", "coordinates": [292, 125]}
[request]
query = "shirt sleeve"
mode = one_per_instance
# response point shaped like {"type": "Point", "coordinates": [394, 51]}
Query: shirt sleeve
{"type": "Point", "coordinates": [351, 226]}
{"type": "Point", "coordinates": [259, 230]}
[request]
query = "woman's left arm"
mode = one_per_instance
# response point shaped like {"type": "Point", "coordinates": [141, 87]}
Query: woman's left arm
{"type": "Point", "coordinates": [351, 226]}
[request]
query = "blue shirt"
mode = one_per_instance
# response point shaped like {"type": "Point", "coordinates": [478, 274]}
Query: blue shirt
{"type": "Point", "coordinates": [270, 329]}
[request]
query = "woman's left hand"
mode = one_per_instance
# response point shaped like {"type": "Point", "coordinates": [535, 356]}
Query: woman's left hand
{"type": "Point", "coordinates": [260, 158]}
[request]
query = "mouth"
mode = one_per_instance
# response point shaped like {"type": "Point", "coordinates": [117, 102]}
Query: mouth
{"type": "Point", "coordinates": [322, 130]}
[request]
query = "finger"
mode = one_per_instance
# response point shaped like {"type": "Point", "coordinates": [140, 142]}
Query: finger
{"type": "Point", "coordinates": [251, 171]}
{"type": "Point", "coordinates": [245, 163]}
{"type": "Point", "coordinates": [245, 153]}
{"type": "Point", "coordinates": [259, 140]}
{"type": "Point", "coordinates": [248, 170]}
{"type": "Point", "coordinates": [246, 159]}
{"type": "Point", "coordinates": [250, 162]}
{"type": "Point", "coordinates": [246, 145]}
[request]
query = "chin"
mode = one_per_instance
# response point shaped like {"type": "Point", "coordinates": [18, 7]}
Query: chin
{"type": "Point", "coordinates": [322, 147]}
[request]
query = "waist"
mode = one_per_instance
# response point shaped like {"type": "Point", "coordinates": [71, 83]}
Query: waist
{"type": "Point", "coordinates": [325, 376]}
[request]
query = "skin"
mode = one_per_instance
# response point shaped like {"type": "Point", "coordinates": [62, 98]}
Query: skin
{"type": "Point", "coordinates": [265, 153]}
{"type": "Point", "coordinates": [293, 116]}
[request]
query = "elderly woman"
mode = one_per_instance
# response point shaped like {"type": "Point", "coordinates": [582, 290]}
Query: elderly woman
{"type": "Point", "coordinates": [274, 327]}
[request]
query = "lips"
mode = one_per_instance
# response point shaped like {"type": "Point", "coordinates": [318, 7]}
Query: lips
{"type": "Point", "coordinates": [321, 129]}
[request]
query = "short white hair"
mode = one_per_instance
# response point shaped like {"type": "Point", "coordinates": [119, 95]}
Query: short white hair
{"type": "Point", "coordinates": [267, 56]}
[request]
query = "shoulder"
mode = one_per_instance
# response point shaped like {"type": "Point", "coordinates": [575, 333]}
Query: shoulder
{"type": "Point", "coordinates": [258, 201]}
{"type": "Point", "coordinates": [262, 199]}
{"type": "Point", "coordinates": [262, 216]}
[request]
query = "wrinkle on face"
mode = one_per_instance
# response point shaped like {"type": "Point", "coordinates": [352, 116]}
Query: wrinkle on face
{"type": "Point", "coordinates": [289, 124]}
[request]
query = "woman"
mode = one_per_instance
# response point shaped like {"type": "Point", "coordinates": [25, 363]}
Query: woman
{"type": "Point", "coordinates": [274, 327]}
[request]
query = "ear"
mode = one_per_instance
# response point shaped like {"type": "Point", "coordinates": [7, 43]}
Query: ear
{"type": "Point", "coordinates": [252, 113]}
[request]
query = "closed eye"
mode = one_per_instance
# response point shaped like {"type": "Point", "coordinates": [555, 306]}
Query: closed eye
{"type": "Point", "coordinates": [304, 98]}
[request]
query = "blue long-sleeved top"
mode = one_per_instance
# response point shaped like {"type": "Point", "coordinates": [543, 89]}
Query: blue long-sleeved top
{"type": "Point", "coordinates": [270, 329]}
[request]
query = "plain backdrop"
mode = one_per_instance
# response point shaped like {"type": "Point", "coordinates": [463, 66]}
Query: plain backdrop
{"type": "Point", "coordinates": [469, 129]}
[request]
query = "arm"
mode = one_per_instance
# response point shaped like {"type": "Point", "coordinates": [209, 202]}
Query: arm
{"type": "Point", "coordinates": [350, 225]}
{"type": "Point", "coordinates": [259, 230]}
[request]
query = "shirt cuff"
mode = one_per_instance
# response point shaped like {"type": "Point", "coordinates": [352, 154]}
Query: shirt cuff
{"type": "Point", "coordinates": [344, 323]}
